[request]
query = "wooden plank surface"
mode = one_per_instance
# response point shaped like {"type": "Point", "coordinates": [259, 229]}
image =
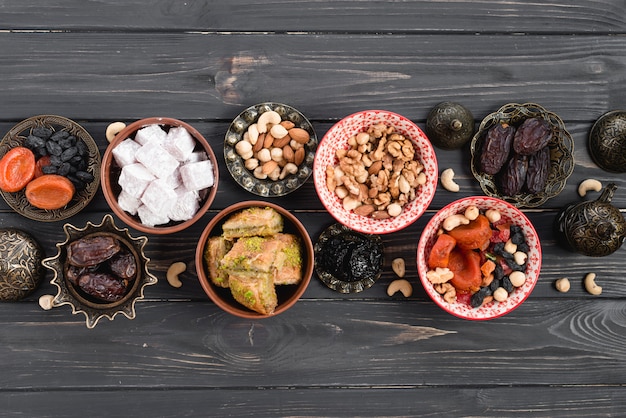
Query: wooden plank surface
{"type": "Point", "coordinates": [332, 354]}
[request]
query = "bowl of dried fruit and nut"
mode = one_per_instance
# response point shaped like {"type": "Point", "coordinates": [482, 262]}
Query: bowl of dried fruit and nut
{"type": "Point", "coordinates": [159, 175]}
{"type": "Point", "coordinates": [269, 149]}
{"type": "Point", "coordinates": [254, 259]}
{"type": "Point", "coordinates": [100, 270]}
{"type": "Point", "coordinates": [523, 154]}
{"type": "Point", "coordinates": [479, 258]}
{"type": "Point", "coordinates": [375, 171]}
{"type": "Point", "coordinates": [49, 168]}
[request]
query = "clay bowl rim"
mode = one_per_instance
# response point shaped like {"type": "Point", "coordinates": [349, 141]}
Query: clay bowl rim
{"type": "Point", "coordinates": [233, 307]}
{"type": "Point", "coordinates": [108, 160]}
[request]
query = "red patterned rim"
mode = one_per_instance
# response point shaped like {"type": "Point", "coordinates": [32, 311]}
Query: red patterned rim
{"type": "Point", "coordinates": [509, 213]}
{"type": "Point", "coordinates": [337, 137]}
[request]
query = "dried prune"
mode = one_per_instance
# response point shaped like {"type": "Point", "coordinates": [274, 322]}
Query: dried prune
{"type": "Point", "coordinates": [496, 148]}
{"type": "Point", "coordinates": [90, 251]}
{"type": "Point", "coordinates": [102, 286]}
{"type": "Point", "coordinates": [123, 265]}
{"type": "Point", "coordinates": [513, 175]}
{"type": "Point", "coordinates": [531, 136]}
{"type": "Point", "coordinates": [33, 141]}
{"type": "Point", "coordinates": [54, 148]}
{"type": "Point", "coordinates": [351, 257]}
{"type": "Point", "coordinates": [67, 154]}
{"type": "Point", "coordinates": [538, 170]}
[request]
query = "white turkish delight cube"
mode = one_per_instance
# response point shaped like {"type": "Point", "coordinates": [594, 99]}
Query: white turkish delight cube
{"type": "Point", "coordinates": [197, 176]}
{"type": "Point", "coordinates": [187, 204]}
{"type": "Point", "coordinates": [179, 143]}
{"type": "Point", "coordinates": [134, 179]}
{"type": "Point", "coordinates": [150, 218]}
{"type": "Point", "coordinates": [157, 160]}
{"type": "Point", "coordinates": [124, 152]}
{"type": "Point", "coordinates": [128, 203]}
{"type": "Point", "coordinates": [159, 197]}
{"type": "Point", "coordinates": [150, 133]}
{"type": "Point", "coordinates": [196, 156]}
{"type": "Point", "coordinates": [174, 180]}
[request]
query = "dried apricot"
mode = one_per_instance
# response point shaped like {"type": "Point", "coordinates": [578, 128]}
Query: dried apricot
{"type": "Point", "coordinates": [17, 168]}
{"type": "Point", "coordinates": [49, 191]}
{"type": "Point", "coordinates": [473, 236]}
{"type": "Point", "coordinates": [440, 253]}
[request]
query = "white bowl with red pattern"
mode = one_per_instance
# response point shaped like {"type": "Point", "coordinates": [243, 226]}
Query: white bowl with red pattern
{"type": "Point", "coordinates": [337, 138]}
{"type": "Point", "coordinates": [509, 213]}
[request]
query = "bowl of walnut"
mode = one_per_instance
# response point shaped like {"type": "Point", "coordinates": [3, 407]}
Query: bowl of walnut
{"type": "Point", "coordinates": [523, 154]}
{"type": "Point", "coordinates": [375, 171]}
{"type": "Point", "coordinates": [100, 270]}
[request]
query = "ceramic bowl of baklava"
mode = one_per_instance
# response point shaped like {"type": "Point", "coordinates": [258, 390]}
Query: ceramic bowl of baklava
{"type": "Point", "coordinates": [254, 259]}
{"type": "Point", "coordinates": [159, 175]}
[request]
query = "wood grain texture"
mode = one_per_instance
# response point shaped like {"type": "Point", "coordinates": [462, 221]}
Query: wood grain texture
{"type": "Point", "coordinates": [332, 354]}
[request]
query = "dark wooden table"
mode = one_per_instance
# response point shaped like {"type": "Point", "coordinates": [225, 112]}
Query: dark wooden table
{"type": "Point", "coordinates": [366, 354]}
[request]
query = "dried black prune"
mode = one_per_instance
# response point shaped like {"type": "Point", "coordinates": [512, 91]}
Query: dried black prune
{"type": "Point", "coordinates": [513, 176]}
{"type": "Point", "coordinates": [538, 170]}
{"type": "Point", "coordinates": [90, 251]}
{"type": "Point", "coordinates": [83, 151]}
{"type": "Point", "coordinates": [69, 153]}
{"type": "Point", "coordinates": [59, 135]}
{"type": "Point", "coordinates": [496, 148]}
{"type": "Point", "coordinates": [102, 286]}
{"type": "Point", "coordinates": [49, 169]}
{"type": "Point", "coordinates": [531, 136]}
{"type": "Point", "coordinates": [54, 148]}
{"type": "Point", "coordinates": [84, 176]}
{"type": "Point", "coordinates": [64, 169]}
{"type": "Point", "coordinates": [32, 142]}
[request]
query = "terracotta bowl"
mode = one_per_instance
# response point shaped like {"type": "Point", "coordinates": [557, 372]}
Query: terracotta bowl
{"type": "Point", "coordinates": [509, 213]}
{"type": "Point", "coordinates": [337, 138]}
{"type": "Point", "coordinates": [93, 308]}
{"type": "Point", "coordinates": [288, 295]}
{"type": "Point", "coordinates": [110, 172]}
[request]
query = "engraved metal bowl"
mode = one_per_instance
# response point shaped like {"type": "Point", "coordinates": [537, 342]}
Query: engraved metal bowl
{"type": "Point", "coordinates": [93, 310]}
{"type": "Point", "coordinates": [21, 271]}
{"type": "Point", "coordinates": [607, 141]}
{"type": "Point", "coordinates": [245, 177]}
{"type": "Point", "coordinates": [561, 153]}
{"type": "Point", "coordinates": [16, 137]}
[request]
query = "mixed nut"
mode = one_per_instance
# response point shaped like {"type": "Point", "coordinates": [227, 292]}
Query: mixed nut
{"type": "Point", "coordinates": [378, 174]}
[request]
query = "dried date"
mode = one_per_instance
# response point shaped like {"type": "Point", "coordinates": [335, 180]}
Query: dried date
{"type": "Point", "coordinates": [538, 170]}
{"type": "Point", "coordinates": [103, 286]}
{"type": "Point", "coordinates": [123, 265]}
{"type": "Point", "coordinates": [73, 273]}
{"type": "Point", "coordinates": [91, 251]}
{"type": "Point", "coordinates": [496, 148]}
{"type": "Point", "coordinates": [513, 176]}
{"type": "Point", "coordinates": [531, 136]}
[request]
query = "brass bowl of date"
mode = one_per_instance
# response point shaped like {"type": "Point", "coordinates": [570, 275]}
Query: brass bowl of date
{"type": "Point", "coordinates": [100, 271]}
{"type": "Point", "coordinates": [521, 180]}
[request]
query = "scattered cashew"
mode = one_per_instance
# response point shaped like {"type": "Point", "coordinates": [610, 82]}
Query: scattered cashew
{"type": "Point", "coordinates": [114, 129]}
{"type": "Point", "coordinates": [562, 285]}
{"type": "Point", "coordinates": [587, 185]}
{"type": "Point", "coordinates": [398, 266]}
{"type": "Point", "coordinates": [45, 302]}
{"type": "Point", "coordinates": [401, 285]}
{"type": "Point", "coordinates": [447, 180]}
{"type": "Point", "coordinates": [453, 221]}
{"type": "Point", "coordinates": [173, 272]}
{"type": "Point", "coordinates": [590, 284]}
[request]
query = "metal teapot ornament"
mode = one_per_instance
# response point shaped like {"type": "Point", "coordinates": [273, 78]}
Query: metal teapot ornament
{"type": "Point", "coordinates": [594, 228]}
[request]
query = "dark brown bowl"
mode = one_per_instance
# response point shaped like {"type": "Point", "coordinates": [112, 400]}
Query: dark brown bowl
{"type": "Point", "coordinates": [288, 295]}
{"type": "Point", "coordinates": [94, 310]}
{"type": "Point", "coordinates": [110, 173]}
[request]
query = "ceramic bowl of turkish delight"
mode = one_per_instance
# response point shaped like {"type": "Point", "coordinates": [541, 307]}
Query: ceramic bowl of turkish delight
{"type": "Point", "coordinates": [159, 175]}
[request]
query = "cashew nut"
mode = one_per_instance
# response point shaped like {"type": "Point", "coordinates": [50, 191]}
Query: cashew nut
{"type": "Point", "coordinates": [45, 302]}
{"type": "Point", "coordinates": [173, 272]}
{"type": "Point", "coordinates": [269, 117]}
{"type": "Point", "coordinates": [587, 185]}
{"type": "Point", "coordinates": [590, 284]}
{"type": "Point", "coordinates": [114, 129]}
{"type": "Point", "coordinates": [447, 180]}
{"type": "Point", "coordinates": [401, 285]}
{"type": "Point", "coordinates": [398, 266]}
{"type": "Point", "coordinates": [453, 221]}
{"type": "Point", "coordinates": [562, 285]}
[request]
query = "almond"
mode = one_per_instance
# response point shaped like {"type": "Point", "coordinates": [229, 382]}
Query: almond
{"type": "Point", "coordinates": [375, 167]}
{"type": "Point", "coordinates": [365, 210]}
{"type": "Point", "coordinates": [269, 166]}
{"type": "Point", "coordinates": [288, 154]}
{"type": "Point", "coordinates": [259, 143]}
{"type": "Point", "coordinates": [281, 142]}
{"type": "Point", "coordinates": [380, 214]}
{"type": "Point", "coordinates": [300, 135]}
{"type": "Point", "coordinates": [268, 141]}
{"type": "Point", "coordinates": [299, 156]}
{"type": "Point", "coordinates": [287, 124]}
